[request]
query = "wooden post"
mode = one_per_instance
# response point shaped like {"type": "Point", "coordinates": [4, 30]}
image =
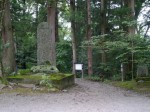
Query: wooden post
{"type": "Point", "coordinates": [122, 74]}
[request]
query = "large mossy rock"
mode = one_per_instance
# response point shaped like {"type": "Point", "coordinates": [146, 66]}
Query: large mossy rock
{"type": "Point", "coordinates": [63, 82]}
{"type": "Point", "coordinates": [48, 69]}
{"type": "Point", "coordinates": [59, 81]}
{"type": "Point", "coordinates": [43, 73]}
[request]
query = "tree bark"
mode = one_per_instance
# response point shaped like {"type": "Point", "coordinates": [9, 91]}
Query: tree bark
{"type": "Point", "coordinates": [51, 15]}
{"type": "Point", "coordinates": [89, 34]}
{"type": "Point", "coordinates": [131, 31]}
{"type": "Point", "coordinates": [1, 25]}
{"type": "Point", "coordinates": [103, 17]}
{"type": "Point", "coordinates": [72, 7]}
{"type": "Point", "coordinates": [8, 57]}
{"type": "Point", "coordinates": [131, 5]}
{"type": "Point", "coordinates": [103, 26]}
{"type": "Point", "coordinates": [56, 28]}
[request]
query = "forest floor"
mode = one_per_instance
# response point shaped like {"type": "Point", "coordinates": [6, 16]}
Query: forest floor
{"type": "Point", "coordinates": [85, 96]}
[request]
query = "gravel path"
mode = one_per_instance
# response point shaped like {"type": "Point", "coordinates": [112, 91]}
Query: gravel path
{"type": "Point", "coordinates": [85, 97]}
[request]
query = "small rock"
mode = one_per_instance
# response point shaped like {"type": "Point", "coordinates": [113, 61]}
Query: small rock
{"type": "Point", "coordinates": [53, 89]}
{"type": "Point", "coordinates": [27, 85]}
{"type": "Point", "coordinates": [64, 90]}
{"type": "Point", "coordinates": [140, 81]}
{"type": "Point", "coordinates": [10, 87]}
{"type": "Point", "coordinates": [2, 86]}
{"type": "Point", "coordinates": [12, 84]}
{"type": "Point", "coordinates": [37, 88]}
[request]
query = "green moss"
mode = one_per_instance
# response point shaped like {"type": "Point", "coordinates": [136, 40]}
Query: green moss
{"type": "Point", "coordinates": [24, 72]}
{"type": "Point", "coordinates": [56, 76]}
{"type": "Point", "coordinates": [58, 80]}
{"type": "Point", "coordinates": [24, 79]}
{"type": "Point", "coordinates": [3, 80]}
{"type": "Point", "coordinates": [38, 76]}
{"type": "Point", "coordinates": [127, 85]}
{"type": "Point", "coordinates": [143, 79]}
{"type": "Point", "coordinates": [142, 87]}
{"type": "Point", "coordinates": [25, 91]}
{"type": "Point", "coordinates": [144, 84]}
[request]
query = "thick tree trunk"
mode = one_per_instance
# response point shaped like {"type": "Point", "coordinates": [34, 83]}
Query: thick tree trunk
{"type": "Point", "coordinates": [37, 12]}
{"type": "Point", "coordinates": [51, 15]}
{"type": "Point", "coordinates": [56, 28]}
{"type": "Point", "coordinates": [89, 34]}
{"type": "Point", "coordinates": [103, 17]}
{"type": "Point", "coordinates": [103, 25]}
{"type": "Point", "coordinates": [72, 7]}
{"type": "Point", "coordinates": [8, 58]}
{"type": "Point", "coordinates": [131, 31]}
{"type": "Point", "coordinates": [2, 5]}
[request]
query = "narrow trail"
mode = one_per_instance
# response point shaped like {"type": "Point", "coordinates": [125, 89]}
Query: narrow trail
{"type": "Point", "coordinates": [86, 96]}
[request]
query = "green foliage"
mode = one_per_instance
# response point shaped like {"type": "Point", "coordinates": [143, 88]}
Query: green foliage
{"type": "Point", "coordinates": [142, 79]}
{"type": "Point", "coordinates": [126, 85]}
{"type": "Point", "coordinates": [25, 29]}
{"type": "Point", "coordinates": [64, 56]}
{"type": "Point", "coordinates": [116, 77]}
{"type": "Point", "coordinates": [46, 81]}
{"type": "Point", "coordinates": [105, 67]}
{"type": "Point", "coordinates": [26, 51]}
{"type": "Point", "coordinates": [23, 72]}
{"type": "Point", "coordinates": [94, 78]}
{"type": "Point", "coordinates": [48, 69]}
{"type": "Point", "coordinates": [116, 43]}
{"type": "Point", "coordinates": [3, 80]}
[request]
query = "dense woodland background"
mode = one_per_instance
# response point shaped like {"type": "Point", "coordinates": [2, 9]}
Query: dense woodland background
{"type": "Point", "coordinates": [101, 34]}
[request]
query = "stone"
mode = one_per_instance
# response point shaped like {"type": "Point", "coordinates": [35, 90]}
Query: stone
{"type": "Point", "coordinates": [2, 86]}
{"type": "Point", "coordinates": [142, 71]}
{"type": "Point", "coordinates": [64, 90]}
{"type": "Point", "coordinates": [44, 44]}
{"type": "Point", "coordinates": [26, 85]}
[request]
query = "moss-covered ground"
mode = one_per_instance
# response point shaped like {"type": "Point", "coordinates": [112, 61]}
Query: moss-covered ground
{"type": "Point", "coordinates": [28, 91]}
{"type": "Point", "coordinates": [141, 87]}
{"type": "Point", "coordinates": [57, 76]}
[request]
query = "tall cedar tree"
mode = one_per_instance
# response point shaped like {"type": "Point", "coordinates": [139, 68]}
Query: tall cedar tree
{"type": "Point", "coordinates": [103, 25]}
{"type": "Point", "coordinates": [8, 58]}
{"type": "Point", "coordinates": [72, 7]}
{"type": "Point", "coordinates": [89, 34]}
{"type": "Point", "coordinates": [131, 32]}
{"type": "Point", "coordinates": [131, 29]}
{"type": "Point", "coordinates": [51, 19]}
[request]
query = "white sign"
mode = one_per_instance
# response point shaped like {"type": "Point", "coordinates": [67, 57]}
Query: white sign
{"type": "Point", "coordinates": [78, 66]}
{"type": "Point", "coordinates": [121, 67]}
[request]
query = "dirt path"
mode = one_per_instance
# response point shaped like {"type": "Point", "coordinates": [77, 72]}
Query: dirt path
{"type": "Point", "coordinates": [85, 97]}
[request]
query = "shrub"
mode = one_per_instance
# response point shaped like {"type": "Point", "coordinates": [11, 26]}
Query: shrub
{"type": "Point", "coordinates": [23, 72]}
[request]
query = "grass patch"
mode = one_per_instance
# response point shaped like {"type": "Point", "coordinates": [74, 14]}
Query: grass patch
{"type": "Point", "coordinates": [141, 87]}
{"type": "Point", "coordinates": [130, 85]}
{"type": "Point", "coordinates": [27, 91]}
{"type": "Point", "coordinates": [95, 78]}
